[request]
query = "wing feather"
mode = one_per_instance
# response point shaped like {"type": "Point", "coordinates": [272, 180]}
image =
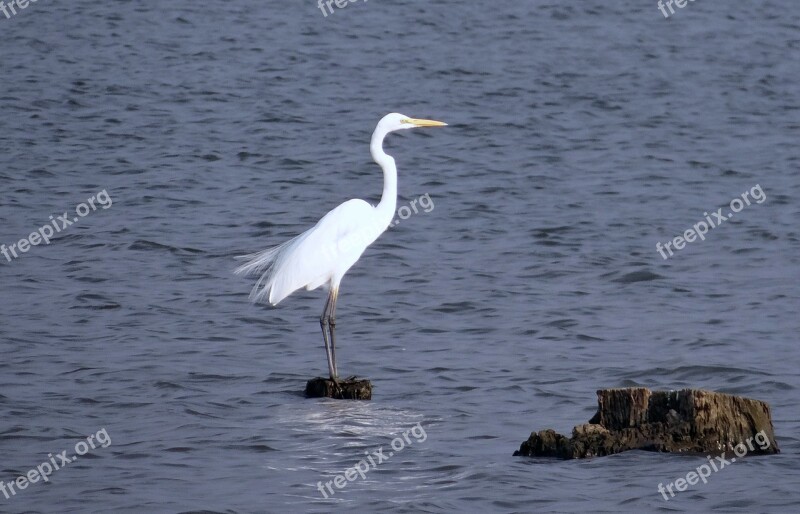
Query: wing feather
{"type": "Point", "coordinates": [315, 257]}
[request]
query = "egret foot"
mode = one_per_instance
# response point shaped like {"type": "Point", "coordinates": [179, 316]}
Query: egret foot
{"type": "Point", "coordinates": [351, 388]}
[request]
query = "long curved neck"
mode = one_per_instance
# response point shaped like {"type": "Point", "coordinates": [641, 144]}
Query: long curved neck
{"type": "Point", "coordinates": [388, 202]}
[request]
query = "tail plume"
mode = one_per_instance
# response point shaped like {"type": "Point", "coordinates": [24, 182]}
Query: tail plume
{"type": "Point", "coordinates": [267, 263]}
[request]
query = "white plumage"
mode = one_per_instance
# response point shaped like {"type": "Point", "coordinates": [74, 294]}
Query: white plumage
{"type": "Point", "coordinates": [322, 255]}
{"type": "Point", "coordinates": [318, 257]}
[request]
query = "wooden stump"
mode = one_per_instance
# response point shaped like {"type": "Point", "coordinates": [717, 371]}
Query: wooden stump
{"type": "Point", "coordinates": [348, 389]}
{"type": "Point", "coordinates": [690, 420]}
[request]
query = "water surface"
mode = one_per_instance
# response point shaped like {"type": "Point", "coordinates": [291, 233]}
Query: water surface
{"type": "Point", "coordinates": [580, 136]}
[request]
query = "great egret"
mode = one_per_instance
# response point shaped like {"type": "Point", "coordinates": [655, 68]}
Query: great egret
{"type": "Point", "coordinates": [322, 255]}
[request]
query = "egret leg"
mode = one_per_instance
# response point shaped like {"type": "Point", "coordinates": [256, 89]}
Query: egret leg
{"type": "Point", "coordinates": [332, 326]}
{"type": "Point", "coordinates": [324, 321]}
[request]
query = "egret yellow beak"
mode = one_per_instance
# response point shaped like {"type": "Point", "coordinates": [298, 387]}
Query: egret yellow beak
{"type": "Point", "coordinates": [425, 123]}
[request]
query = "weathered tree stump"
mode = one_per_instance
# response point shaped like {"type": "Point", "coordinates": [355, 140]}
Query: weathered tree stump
{"type": "Point", "coordinates": [347, 389]}
{"type": "Point", "coordinates": [689, 420]}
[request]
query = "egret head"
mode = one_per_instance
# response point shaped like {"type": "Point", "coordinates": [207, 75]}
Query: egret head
{"type": "Point", "coordinates": [397, 121]}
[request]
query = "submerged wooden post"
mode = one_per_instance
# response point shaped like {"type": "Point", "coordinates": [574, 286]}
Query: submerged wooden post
{"type": "Point", "coordinates": [347, 389]}
{"type": "Point", "coordinates": [689, 420]}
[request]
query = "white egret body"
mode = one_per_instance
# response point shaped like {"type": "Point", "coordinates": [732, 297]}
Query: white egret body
{"type": "Point", "coordinates": [322, 255]}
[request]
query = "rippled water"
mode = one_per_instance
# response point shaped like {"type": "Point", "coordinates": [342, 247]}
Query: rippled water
{"type": "Point", "coordinates": [580, 136]}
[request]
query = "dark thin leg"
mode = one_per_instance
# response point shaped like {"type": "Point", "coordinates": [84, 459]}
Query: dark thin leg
{"type": "Point", "coordinates": [332, 326]}
{"type": "Point", "coordinates": [323, 323]}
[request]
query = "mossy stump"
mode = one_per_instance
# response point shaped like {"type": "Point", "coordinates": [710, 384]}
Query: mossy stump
{"type": "Point", "coordinates": [348, 389]}
{"type": "Point", "coordinates": [689, 420]}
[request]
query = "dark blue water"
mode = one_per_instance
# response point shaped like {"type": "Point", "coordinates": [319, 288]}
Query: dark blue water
{"type": "Point", "coordinates": [580, 136]}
